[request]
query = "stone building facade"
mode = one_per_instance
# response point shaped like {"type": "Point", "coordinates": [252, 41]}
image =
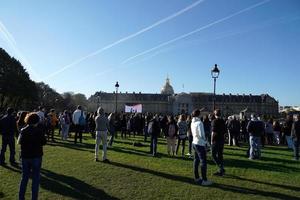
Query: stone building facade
{"type": "Point", "coordinates": [169, 102]}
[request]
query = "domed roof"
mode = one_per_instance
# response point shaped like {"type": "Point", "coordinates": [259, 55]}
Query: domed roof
{"type": "Point", "coordinates": [167, 88]}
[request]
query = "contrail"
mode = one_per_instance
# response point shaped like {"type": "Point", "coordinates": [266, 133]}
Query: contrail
{"type": "Point", "coordinates": [223, 35]}
{"type": "Point", "coordinates": [195, 31]}
{"type": "Point", "coordinates": [9, 39]}
{"type": "Point", "coordinates": [126, 38]}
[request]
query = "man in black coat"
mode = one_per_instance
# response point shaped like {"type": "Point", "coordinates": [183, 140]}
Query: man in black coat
{"type": "Point", "coordinates": [8, 128]}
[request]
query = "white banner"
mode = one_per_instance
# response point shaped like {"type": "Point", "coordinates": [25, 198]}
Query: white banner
{"type": "Point", "coordinates": [134, 108]}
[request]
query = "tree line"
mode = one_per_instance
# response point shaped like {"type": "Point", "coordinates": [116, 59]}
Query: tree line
{"type": "Point", "coordinates": [17, 90]}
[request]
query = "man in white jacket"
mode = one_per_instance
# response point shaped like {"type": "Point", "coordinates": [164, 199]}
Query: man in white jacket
{"type": "Point", "coordinates": [77, 114]}
{"type": "Point", "coordinates": [199, 143]}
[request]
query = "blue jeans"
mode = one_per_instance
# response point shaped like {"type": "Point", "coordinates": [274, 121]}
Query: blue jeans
{"type": "Point", "coordinates": [200, 156]}
{"type": "Point", "coordinates": [10, 141]}
{"type": "Point", "coordinates": [255, 145]}
{"type": "Point", "coordinates": [30, 166]}
{"type": "Point", "coordinates": [296, 149]}
{"type": "Point", "coordinates": [153, 145]}
{"type": "Point", "coordinates": [217, 155]}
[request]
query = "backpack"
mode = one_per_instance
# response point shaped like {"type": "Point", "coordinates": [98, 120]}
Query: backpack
{"type": "Point", "coordinates": [81, 120]}
{"type": "Point", "coordinates": [150, 127]}
{"type": "Point", "coordinates": [171, 131]}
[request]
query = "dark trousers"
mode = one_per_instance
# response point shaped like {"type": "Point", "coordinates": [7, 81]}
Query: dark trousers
{"type": "Point", "coordinates": [123, 132]}
{"type": "Point", "coordinates": [200, 156]}
{"type": "Point", "coordinates": [10, 141]}
{"type": "Point", "coordinates": [145, 133]}
{"type": "Point", "coordinates": [78, 133]}
{"type": "Point", "coordinates": [153, 145]}
{"type": "Point", "coordinates": [51, 133]}
{"type": "Point", "coordinates": [217, 155]}
{"type": "Point", "coordinates": [111, 140]}
{"type": "Point", "coordinates": [190, 143]}
{"type": "Point", "coordinates": [233, 136]}
{"type": "Point", "coordinates": [183, 145]}
{"type": "Point", "coordinates": [30, 166]}
{"type": "Point", "coordinates": [296, 149]}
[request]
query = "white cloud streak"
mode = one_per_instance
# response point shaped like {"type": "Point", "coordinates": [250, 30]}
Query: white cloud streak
{"type": "Point", "coordinates": [184, 10]}
{"type": "Point", "coordinates": [194, 31]}
{"type": "Point", "coordinates": [9, 39]}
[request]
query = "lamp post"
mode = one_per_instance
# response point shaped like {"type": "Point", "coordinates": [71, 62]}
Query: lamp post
{"type": "Point", "coordinates": [215, 74]}
{"type": "Point", "coordinates": [117, 87]}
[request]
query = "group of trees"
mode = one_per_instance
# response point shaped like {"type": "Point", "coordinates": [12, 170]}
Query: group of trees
{"type": "Point", "coordinates": [17, 90]}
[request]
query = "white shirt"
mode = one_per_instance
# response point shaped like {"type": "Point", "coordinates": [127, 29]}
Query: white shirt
{"type": "Point", "coordinates": [198, 132]}
{"type": "Point", "coordinates": [76, 116]}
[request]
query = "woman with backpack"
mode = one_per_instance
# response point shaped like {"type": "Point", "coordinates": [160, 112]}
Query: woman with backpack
{"type": "Point", "coordinates": [171, 133]}
{"type": "Point", "coordinates": [182, 133]}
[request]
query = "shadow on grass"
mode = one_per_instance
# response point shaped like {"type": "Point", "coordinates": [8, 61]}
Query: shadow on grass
{"type": "Point", "coordinates": [242, 190]}
{"type": "Point", "coordinates": [1, 194]}
{"type": "Point", "coordinates": [259, 165]}
{"type": "Point", "coordinates": [231, 188]}
{"type": "Point", "coordinates": [16, 169]}
{"type": "Point", "coordinates": [79, 147]}
{"type": "Point", "coordinates": [155, 173]}
{"type": "Point", "coordinates": [70, 187]}
{"type": "Point", "coordinates": [287, 187]}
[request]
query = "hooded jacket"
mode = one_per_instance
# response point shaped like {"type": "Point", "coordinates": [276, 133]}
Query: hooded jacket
{"type": "Point", "coordinates": [198, 132]}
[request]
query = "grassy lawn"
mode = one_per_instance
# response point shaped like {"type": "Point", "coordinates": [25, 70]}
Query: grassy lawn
{"type": "Point", "coordinates": [69, 172]}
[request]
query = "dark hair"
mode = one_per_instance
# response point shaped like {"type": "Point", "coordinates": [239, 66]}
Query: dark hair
{"type": "Point", "coordinates": [32, 118]}
{"type": "Point", "coordinates": [196, 113]}
{"type": "Point", "coordinates": [9, 111]}
{"type": "Point", "coordinates": [218, 112]}
{"type": "Point", "coordinates": [79, 107]}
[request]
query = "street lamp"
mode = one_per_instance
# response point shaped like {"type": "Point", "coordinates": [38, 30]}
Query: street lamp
{"type": "Point", "coordinates": [117, 87]}
{"type": "Point", "coordinates": [215, 74]}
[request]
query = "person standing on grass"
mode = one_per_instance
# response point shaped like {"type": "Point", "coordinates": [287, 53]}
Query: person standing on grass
{"type": "Point", "coordinates": [256, 129]}
{"type": "Point", "coordinates": [8, 129]}
{"type": "Point", "coordinates": [218, 129]}
{"type": "Point", "coordinates": [32, 140]}
{"type": "Point", "coordinates": [296, 137]}
{"type": "Point", "coordinates": [269, 131]}
{"type": "Point", "coordinates": [170, 134]}
{"type": "Point", "coordinates": [112, 127]}
{"type": "Point", "coordinates": [53, 122]}
{"type": "Point", "coordinates": [199, 144]}
{"type": "Point", "coordinates": [277, 130]}
{"type": "Point", "coordinates": [154, 131]}
{"type": "Point", "coordinates": [234, 127]}
{"type": "Point", "coordinates": [65, 125]}
{"type": "Point", "coordinates": [102, 127]}
{"type": "Point", "coordinates": [79, 122]}
{"type": "Point", "coordinates": [189, 135]}
{"type": "Point", "coordinates": [287, 130]}
{"type": "Point", "coordinates": [182, 133]}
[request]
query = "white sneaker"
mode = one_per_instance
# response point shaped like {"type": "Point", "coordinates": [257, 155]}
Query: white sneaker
{"type": "Point", "coordinates": [206, 183]}
{"type": "Point", "coordinates": [188, 154]}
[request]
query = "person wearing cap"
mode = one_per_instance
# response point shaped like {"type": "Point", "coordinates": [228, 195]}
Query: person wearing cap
{"type": "Point", "coordinates": [8, 130]}
{"type": "Point", "coordinates": [102, 127]}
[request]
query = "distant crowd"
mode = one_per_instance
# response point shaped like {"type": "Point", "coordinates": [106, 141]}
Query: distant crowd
{"type": "Point", "coordinates": [201, 133]}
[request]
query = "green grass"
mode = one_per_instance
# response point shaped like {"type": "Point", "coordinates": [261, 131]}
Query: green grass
{"type": "Point", "coordinates": [69, 172]}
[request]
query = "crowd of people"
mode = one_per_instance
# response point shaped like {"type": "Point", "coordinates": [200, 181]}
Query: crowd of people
{"type": "Point", "coordinates": [203, 134]}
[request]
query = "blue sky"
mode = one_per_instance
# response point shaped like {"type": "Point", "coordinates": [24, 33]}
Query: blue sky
{"type": "Point", "coordinates": [254, 42]}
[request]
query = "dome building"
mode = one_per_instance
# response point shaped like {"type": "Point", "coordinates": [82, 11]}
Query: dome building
{"type": "Point", "coordinates": [167, 88]}
{"type": "Point", "coordinates": [168, 102]}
